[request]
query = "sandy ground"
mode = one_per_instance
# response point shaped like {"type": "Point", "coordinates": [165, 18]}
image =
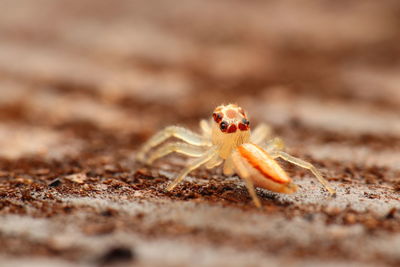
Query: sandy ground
{"type": "Point", "coordinates": [84, 83]}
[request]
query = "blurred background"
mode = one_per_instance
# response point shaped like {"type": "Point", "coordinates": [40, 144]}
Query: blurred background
{"type": "Point", "coordinates": [84, 83]}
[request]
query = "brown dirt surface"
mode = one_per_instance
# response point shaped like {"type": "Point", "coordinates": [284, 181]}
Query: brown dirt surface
{"type": "Point", "coordinates": [84, 83]}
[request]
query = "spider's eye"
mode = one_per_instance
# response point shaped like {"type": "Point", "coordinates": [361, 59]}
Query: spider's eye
{"type": "Point", "coordinates": [217, 117]}
{"type": "Point", "coordinates": [223, 126]}
{"type": "Point", "coordinates": [246, 122]}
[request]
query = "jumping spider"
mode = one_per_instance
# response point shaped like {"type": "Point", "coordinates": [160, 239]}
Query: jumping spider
{"type": "Point", "coordinates": [226, 139]}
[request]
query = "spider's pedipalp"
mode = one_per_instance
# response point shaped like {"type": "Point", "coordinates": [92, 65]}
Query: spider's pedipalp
{"type": "Point", "coordinates": [228, 167]}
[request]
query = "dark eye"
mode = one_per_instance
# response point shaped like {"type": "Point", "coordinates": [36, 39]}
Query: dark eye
{"type": "Point", "coordinates": [217, 117]}
{"type": "Point", "coordinates": [245, 122]}
{"type": "Point", "coordinates": [223, 125]}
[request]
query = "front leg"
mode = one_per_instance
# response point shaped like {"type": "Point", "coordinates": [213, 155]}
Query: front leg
{"type": "Point", "coordinates": [214, 162]}
{"type": "Point", "coordinates": [194, 165]}
{"type": "Point", "coordinates": [178, 147]}
{"type": "Point", "coordinates": [305, 165]}
{"type": "Point", "coordinates": [260, 134]}
{"type": "Point", "coordinates": [205, 127]}
{"type": "Point", "coordinates": [274, 144]}
{"type": "Point", "coordinates": [172, 131]}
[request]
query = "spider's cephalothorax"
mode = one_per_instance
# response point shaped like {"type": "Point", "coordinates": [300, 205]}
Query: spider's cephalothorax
{"type": "Point", "coordinates": [226, 140]}
{"type": "Point", "coordinates": [230, 128]}
{"type": "Point", "coordinates": [231, 118]}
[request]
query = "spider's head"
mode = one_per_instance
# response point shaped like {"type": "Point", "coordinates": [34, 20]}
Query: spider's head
{"type": "Point", "coordinates": [231, 118]}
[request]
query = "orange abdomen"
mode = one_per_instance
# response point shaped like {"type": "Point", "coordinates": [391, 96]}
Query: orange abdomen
{"type": "Point", "coordinates": [264, 163]}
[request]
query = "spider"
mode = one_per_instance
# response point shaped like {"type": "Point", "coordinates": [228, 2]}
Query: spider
{"type": "Point", "coordinates": [226, 140]}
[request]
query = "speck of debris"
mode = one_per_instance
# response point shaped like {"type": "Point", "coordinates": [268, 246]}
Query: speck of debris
{"type": "Point", "coordinates": [309, 217]}
{"type": "Point", "coordinates": [396, 186]}
{"type": "Point", "coordinates": [371, 195]}
{"type": "Point", "coordinates": [391, 214]}
{"type": "Point", "coordinates": [109, 212]}
{"type": "Point", "coordinates": [55, 182]}
{"type": "Point", "coordinates": [117, 254]}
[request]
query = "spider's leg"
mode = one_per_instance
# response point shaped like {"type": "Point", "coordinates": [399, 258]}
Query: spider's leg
{"type": "Point", "coordinates": [205, 127]}
{"type": "Point", "coordinates": [274, 144]}
{"type": "Point", "coordinates": [194, 165]}
{"type": "Point", "coordinates": [260, 133]}
{"type": "Point", "coordinates": [252, 192]}
{"type": "Point", "coordinates": [179, 147]}
{"type": "Point", "coordinates": [305, 165]}
{"type": "Point", "coordinates": [214, 162]}
{"type": "Point", "coordinates": [172, 131]}
{"type": "Point", "coordinates": [245, 175]}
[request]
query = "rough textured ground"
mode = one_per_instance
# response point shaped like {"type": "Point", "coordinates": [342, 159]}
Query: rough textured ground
{"type": "Point", "coordinates": [84, 83]}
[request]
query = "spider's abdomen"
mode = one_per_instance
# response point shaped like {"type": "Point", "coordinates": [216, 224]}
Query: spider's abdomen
{"type": "Point", "coordinates": [253, 163]}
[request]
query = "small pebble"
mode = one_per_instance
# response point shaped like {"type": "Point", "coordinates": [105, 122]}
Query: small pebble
{"type": "Point", "coordinates": [117, 254]}
{"type": "Point", "coordinates": [55, 182]}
